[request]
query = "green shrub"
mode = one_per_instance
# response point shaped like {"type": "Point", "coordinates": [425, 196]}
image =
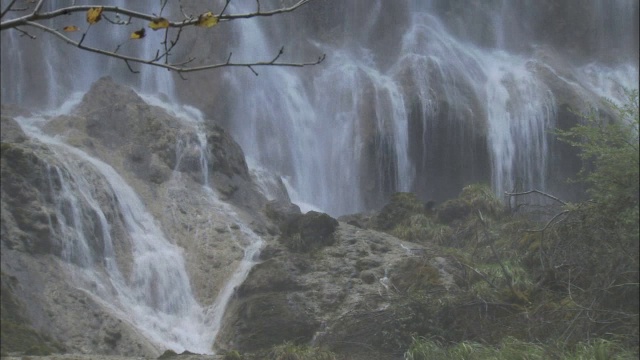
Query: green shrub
{"type": "Point", "coordinates": [232, 355]}
{"type": "Point", "coordinates": [421, 228]}
{"type": "Point", "coordinates": [514, 349]}
{"type": "Point", "coordinates": [474, 198]}
{"type": "Point", "coordinates": [291, 351]}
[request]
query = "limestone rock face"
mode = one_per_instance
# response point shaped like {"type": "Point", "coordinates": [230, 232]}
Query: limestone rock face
{"type": "Point", "coordinates": [335, 295]}
{"type": "Point", "coordinates": [191, 177]}
{"type": "Point", "coordinates": [33, 272]}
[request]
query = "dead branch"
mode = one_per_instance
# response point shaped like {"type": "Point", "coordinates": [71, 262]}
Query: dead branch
{"type": "Point", "coordinates": [161, 59]}
{"type": "Point", "coordinates": [35, 15]}
{"type": "Point", "coordinates": [537, 192]}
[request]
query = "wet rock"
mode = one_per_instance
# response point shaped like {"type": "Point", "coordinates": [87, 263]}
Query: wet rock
{"type": "Point", "coordinates": [10, 131]}
{"type": "Point", "coordinates": [282, 212]}
{"type": "Point", "coordinates": [309, 231]}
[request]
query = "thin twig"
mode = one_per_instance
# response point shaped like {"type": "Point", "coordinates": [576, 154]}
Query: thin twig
{"type": "Point", "coordinates": [537, 192]}
{"type": "Point", "coordinates": [175, 67]}
{"type": "Point", "coordinates": [35, 16]}
{"type": "Point", "coordinates": [7, 8]}
{"type": "Point", "coordinates": [549, 223]}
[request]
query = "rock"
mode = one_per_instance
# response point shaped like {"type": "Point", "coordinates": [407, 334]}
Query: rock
{"type": "Point", "coordinates": [270, 275]}
{"type": "Point", "coordinates": [309, 231]}
{"type": "Point", "coordinates": [399, 208]}
{"type": "Point", "coordinates": [363, 221]}
{"type": "Point", "coordinates": [317, 295]}
{"type": "Point", "coordinates": [10, 131]}
{"type": "Point", "coordinates": [282, 212]}
{"type": "Point", "coordinates": [140, 142]}
{"type": "Point", "coordinates": [368, 276]}
{"type": "Point", "coordinates": [26, 215]}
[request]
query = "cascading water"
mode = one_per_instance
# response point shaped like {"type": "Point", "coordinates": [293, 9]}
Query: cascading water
{"type": "Point", "coordinates": [422, 96]}
{"type": "Point", "coordinates": [192, 144]}
{"type": "Point", "coordinates": [447, 95]}
{"type": "Point", "coordinates": [155, 296]}
{"type": "Point", "coordinates": [152, 292]}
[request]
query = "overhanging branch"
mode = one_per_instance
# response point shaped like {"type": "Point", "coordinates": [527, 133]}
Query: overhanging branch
{"type": "Point", "coordinates": [161, 59]}
{"type": "Point", "coordinates": [35, 15]}
{"type": "Point", "coordinates": [170, 66]}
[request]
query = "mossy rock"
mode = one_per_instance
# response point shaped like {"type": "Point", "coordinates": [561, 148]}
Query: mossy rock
{"type": "Point", "coordinates": [271, 318]}
{"type": "Point", "coordinates": [401, 206]}
{"type": "Point", "coordinates": [232, 355]}
{"type": "Point", "coordinates": [309, 231]}
{"type": "Point", "coordinates": [473, 199]}
{"type": "Point", "coordinates": [16, 333]}
{"type": "Point", "coordinates": [415, 274]}
{"type": "Point", "coordinates": [291, 351]}
{"type": "Point", "coordinates": [168, 354]}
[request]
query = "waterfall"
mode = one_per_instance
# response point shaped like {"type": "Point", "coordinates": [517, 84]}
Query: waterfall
{"type": "Point", "coordinates": [447, 95]}
{"type": "Point", "coordinates": [193, 141]}
{"type": "Point", "coordinates": [422, 96]}
{"type": "Point", "coordinates": [155, 296]}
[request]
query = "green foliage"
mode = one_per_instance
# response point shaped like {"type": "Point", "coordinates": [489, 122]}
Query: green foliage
{"type": "Point", "coordinates": [474, 198]}
{"type": "Point", "coordinates": [291, 351]}
{"type": "Point", "coordinates": [421, 228]}
{"type": "Point", "coordinates": [232, 355]}
{"type": "Point", "coordinates": [514, 349]}
{"type": "Point", "coordinates": [598, 241]}
{"type": "Point", "coordinates": [609, 149]}
{"type": "Point", "coordinates": [400, 207]}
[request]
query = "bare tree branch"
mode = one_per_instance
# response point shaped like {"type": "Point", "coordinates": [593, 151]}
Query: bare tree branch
{"type": "Point", "coordinates": [36, 16]}
{"type": "Point", "coordinates": [175, 67]}
{"type": "Point", "coordinates": [8, 8]}
{"type": "Point", "coordinates": [161, 58]}
{"type": "Point", "coordinates": [537, 192]}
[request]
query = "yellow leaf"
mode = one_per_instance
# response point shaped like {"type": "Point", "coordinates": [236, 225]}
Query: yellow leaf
{"type": "Point", "coordinates": [207, 20]}
{"type": "Point", "coordinates": [94, 15]}
{"type": "Point", "coordinates": [70, 28]}
{"type": "Point", "coordinates": [159, 23]}
{"type": "Point", "coordinates": [138, 34]}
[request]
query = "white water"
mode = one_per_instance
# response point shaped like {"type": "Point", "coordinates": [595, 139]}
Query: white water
{"type": "Point", "coordinates": [346, 134]}
{"type": "Point", "coordinates": [345, 137]}
{"type": "Point", "coordinates": [342, 136]}
{"type": "Point", "coordinates": [193, 140]}
{"type": "Point", "coordinates": [156, 297]}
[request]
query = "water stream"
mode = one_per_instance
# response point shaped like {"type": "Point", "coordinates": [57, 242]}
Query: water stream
{"type": "Point", "coordinates": [421, 96]}
{"type": "Point", "coordinates": [156, 296]}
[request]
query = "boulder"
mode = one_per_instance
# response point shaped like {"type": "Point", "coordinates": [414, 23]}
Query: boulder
{"type": "Point", "coordinates": [10, 131]}
{"type": "Point", "coordinates": [309, 231]}
{"type": "Point", "coordinates": [282, 212]}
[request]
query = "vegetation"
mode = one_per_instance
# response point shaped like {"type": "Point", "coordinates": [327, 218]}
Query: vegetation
{"type": "Point", "coordinates": [514, 349]}
{"type": "Point", "coordinates": [290, 351]}
{"type": "Point", "coordinates": [232, 355]}
{"type": "Point", "coordinates": [554, 284]}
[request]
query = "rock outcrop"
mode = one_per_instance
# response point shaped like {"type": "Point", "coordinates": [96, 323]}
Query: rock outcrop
{"type": "Point", "coordinates": [168, 161]}
{"type": "Point", "coordinates": [334, 295]}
